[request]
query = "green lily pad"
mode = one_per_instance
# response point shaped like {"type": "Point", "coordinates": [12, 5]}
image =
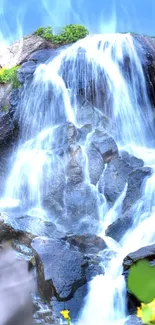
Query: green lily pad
{"type": "Point", "coordinates": [141, 281]}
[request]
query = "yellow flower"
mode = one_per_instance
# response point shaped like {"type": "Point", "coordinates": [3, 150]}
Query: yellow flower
{"type": "Point", "coordinates": [147, 311]}
{"type": "Point", "coordinates": [139, 312]}
{"type": "Point", "coordinates": [65, 314]}
{"type": "Point", "coordinates": [152, 306]}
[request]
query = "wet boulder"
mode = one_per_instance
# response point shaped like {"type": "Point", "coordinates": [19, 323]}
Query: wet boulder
{"type": "Point", "coordinates": [59, 267]}
{"type": "Point", "coordinates": [105, 144]}
{"type": "Point", "coordinates": [75, 165]}
{"type": "Point", "coordinates": [87, 243]}
{"type": "Point", "coordinates": [41, 56]}
{"type": "Point", "coordinates": [26, 71]}
{"type": "Point", "coordinates": [6, 129]}
{"type": "Point", "coordinates": [95, 164]}
{"type": "Point", "coordinates": [86, 113]}
{"type": "Point", "coordinates": [81, 208]}
{"type": "Point", "coordinates": [133, 320]}
{"type": "Point", "coordinates": [26, 228]}
{"type": "Point", "coordinates": [65, 135]}
{"type": "Point", "coordinates": [147, 252]}
{"type": "Point", "coordinates": [119, 227]}
{"type": "Point", "coordinates": [135, 182]}
{"type": "Point", "coordinates": [52, 196]}
{"type": "Point", "coordinates": [5, 92]}
{"type": "Point", "coordinates": [114, 179]}
{"type": "Point", "coordinates": [64, 269]}
{"type": "Point", "coordinates": [83, 132]}
{"type": "Point", "coordinates": [131, 160]}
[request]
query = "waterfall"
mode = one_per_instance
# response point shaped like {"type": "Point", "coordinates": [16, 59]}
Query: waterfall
{"type": "Point", "coordinates": [106, 70]}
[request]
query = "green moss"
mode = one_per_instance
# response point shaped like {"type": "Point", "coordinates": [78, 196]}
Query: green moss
{"type": "Point", "coordinates": [9, 76]}
{"type": "Point", "coordinates": [4, 108]}
{"type": "Point", "coordinates": [69, 34]}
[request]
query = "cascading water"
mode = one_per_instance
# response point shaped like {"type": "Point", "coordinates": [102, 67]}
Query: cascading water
{"type": "Point", "coordinates": [106, 70]}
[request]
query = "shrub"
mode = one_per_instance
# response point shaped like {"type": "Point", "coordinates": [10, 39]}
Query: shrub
{"type": "Point", "coordinates": [9, 76]}
{"type": "Point", "coordinates": [45, 32]}
{"type": "Point", "coordinates": [70, 33]}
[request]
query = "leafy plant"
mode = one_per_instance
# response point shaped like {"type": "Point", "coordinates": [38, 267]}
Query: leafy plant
{"type": "Point", "coordinates": [70, 33]}
{"type": "Point", "coordinates": [9, 76]}
{"type": "Point", "coordinates": [141, 283]}
{"type": "Point", "coordinates": [4, 108]}
{"type": "Point", "coordinates": [45, 32]}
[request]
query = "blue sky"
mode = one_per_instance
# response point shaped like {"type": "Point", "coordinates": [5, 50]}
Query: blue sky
{"type": "Point", "coordinates": [20, 17]}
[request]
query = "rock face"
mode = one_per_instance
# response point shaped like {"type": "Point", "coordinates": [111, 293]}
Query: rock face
{"type": "Point", "coordinates": [64, 268]}
{"type": "Point", "coordinates": [18, 52]}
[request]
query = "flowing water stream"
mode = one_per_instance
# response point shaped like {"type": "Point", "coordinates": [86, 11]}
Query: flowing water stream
{"type": "Point", "coordinates": [108, 68]}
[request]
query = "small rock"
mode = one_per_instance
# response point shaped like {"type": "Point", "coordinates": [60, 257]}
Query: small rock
{"type": "Point", "coordinates": [105, 144]}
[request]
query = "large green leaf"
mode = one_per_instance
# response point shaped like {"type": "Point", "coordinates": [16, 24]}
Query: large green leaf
{"type": "Point", "coordinates": [141, 281]}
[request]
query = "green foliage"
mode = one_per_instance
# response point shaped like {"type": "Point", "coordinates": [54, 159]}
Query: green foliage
{"type": "Point", "coordinates": [5, 108]}
{"type": "Point", "coordinates": [141, 281]}
{"type": "Point", "coordinates": [70, 33]}
{"type": "Point", "coordinates": [45, 32]}
{"type": "Point", "coordinates": [9, 76]}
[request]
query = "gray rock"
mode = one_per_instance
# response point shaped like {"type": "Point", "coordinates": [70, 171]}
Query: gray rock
{"type": "Point", "coordinates": [75, 165]}
{"type": "Point", "coordinates": [133, 320]}
{"type": "Point", "coordinates": [105, 144]}
{"type": "Point", "coordinates": [41, 56]}
{"type": "Point", "coordinates": [27, 228]}
{"type": "Point", "coordinates": [26, 70]}
{"type": "Point", "coordinates": [114, 179]}
{"type": "Point", "coordinates": [42, 312]}
{"type": "Point", "coordinates": [19, 51]}
{"type": "Point", "coordinates": [87, 243]}
{"type": "Point", "coordinates": [75, 304]}
{"type": "Point", "coordinates": [95, 164]}
{"type": "Point", "coordinates": [52, 195]}
{"type": "Point", "coordinates": [84, 131]}
{"type": "Point", "coordinates": [63, 266]}
{"type": "Point", "coordinates": [65, 134]}
{"type": "Point", "coordinates": [119, 227]}
{"type": "Point", "coordinates": [135, 181]}
{"type": "Point", "coordinates": [81, 203]}
{"type": "Point", "coordinates": [6, 129]}
{"type": "Point", "coordinates": [147, 252]}
{"type": "Point", "coordinates": [64, 270]}
{"type": "Point", "coordinates": [86, 113]}
{"type": "Point", "coordinates": [5, 92]}
{"type": "Point", "coordinates": [131, 160]}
